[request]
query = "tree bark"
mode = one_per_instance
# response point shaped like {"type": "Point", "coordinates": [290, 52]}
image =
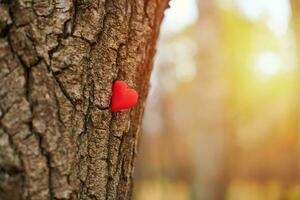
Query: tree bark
{"type": "Point", "coordinates": [58, 61]}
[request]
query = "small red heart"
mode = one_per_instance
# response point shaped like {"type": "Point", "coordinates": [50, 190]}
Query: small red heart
{"type": "Point", "coordinates": [122, 97]}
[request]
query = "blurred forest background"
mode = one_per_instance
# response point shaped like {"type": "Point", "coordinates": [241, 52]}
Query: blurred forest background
{"type": "Point", "coordinates": [222, 119]}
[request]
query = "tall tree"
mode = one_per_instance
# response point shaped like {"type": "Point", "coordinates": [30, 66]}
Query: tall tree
{"type": "Point", "coordinates": [211, 93]}
{"type": "Point", "coordinates": [58, 60]}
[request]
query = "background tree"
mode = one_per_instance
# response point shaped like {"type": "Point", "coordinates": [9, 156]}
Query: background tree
{"type": "Point", "coordinates": [58, 60]}
{"type": "Point", "coordinates": [228, 108]}
{"type": "Point", "coordinates": [193, 114]}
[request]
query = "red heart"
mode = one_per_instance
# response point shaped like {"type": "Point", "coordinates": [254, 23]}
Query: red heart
{"type": "Point", "coordinates": [122, 97]}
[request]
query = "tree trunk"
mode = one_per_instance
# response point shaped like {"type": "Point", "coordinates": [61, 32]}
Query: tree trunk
{"type": "Point", "coordinates": [58, 60]}
{"type": "Point", "coordinates": [211, 93]}
{"type": "Point", "coordinates": [295, 6]}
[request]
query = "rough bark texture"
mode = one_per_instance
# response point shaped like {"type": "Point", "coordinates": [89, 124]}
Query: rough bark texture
{"type": "Point", "coordinates": [58, 60]}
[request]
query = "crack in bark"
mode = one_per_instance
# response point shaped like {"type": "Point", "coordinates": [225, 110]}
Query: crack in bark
{"type": "Point", "coordinates": [38, 136]}
{"type": "Point", "coordinates": [63, 90]}
{"type": "Point", "coordinates": [74, 17]}
{"type": "Point", "coordinates": [87, 122]}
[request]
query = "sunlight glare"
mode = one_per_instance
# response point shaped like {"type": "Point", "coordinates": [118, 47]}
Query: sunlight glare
{"type": "Point", "coordinates": [276, 13]}
{"type": "Point", "coordinates": [179, 15]}
{"type": "Point", "coordinates": [267, 64]}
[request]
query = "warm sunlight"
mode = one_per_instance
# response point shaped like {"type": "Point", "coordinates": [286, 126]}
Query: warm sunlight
{"type": "Point", "coordinates": [267, 64]}
{"type": "Point", "coordinates": [276, 13]}
{"type": "Point", "coordinates": [223, 111]}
